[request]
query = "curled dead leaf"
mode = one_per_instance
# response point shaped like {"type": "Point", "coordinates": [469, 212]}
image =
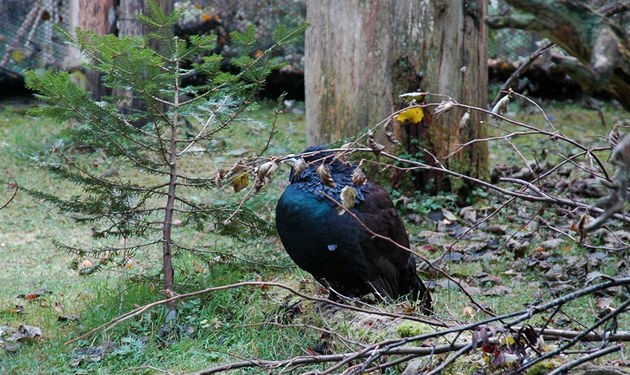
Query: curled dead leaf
{"type": "Point", "coordinates": [324, 175]}
{"type": "Point", "coordinates": [613, 137]}
{"type": "Point", "coordinates": [579, 227]}
{"type": "Point", "coordinates": [375, 146]}
{"type": "Point", "coordinates": [358, 177]}
{"type": "Point", "coordinates": [443, 107]}
{"type": "Point", "coordinates": [266, 170]}
{"type": "Point", "coordinates": [464, 122]}
{"type": "Point", "coordinates": [502, 105]}
{"type": "Point", "coordinates": [299, 165]}
{"type": "Point", "coordinates": [264, 173]}
{"type": "Point", "coordinates": [389, 134]}
{"type": "Point", "coordinates": [218, 177]}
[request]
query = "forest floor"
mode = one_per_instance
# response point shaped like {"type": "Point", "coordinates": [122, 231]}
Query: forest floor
{"type": "Point", "coordinates": [526, 254]}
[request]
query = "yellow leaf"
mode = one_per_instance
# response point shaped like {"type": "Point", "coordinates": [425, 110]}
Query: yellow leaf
{"type": "Point", "coordinates": [412, 115]}
{"type": "Point", "coordinates": [348, 196]}
{"type": "Point", "coordinates": [18, 55]}
{"type": "Point", "coordinates": [240, 182]}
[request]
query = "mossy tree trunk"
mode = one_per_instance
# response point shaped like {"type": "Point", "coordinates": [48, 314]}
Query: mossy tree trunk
{"type": "Point", "coordinates": [361, 55]}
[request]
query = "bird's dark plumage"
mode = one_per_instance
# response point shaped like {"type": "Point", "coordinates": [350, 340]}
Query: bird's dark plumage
{"type": "Point", "coordinates": [335, 248]}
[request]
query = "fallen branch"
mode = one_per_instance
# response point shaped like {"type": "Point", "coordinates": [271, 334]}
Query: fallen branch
{"type": "Point", "coordinates": [600, 353]}
{"type": "Point", "coordinates": [310, 360]}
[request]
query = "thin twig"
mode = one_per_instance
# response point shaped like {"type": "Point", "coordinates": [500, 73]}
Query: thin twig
{"type": "Point", "coordinates": [600, 353]}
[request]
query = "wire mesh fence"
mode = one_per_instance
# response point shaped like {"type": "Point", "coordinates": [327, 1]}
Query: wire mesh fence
{"type": "Point", "coordinates": [27, 37]}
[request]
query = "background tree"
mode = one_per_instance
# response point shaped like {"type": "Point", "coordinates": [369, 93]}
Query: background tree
{"type": "Point", "coordinates": [360, 56]}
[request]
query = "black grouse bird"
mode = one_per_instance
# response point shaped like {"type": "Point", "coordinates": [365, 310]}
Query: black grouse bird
{"type": "Point", "coordinates": [332, 244]}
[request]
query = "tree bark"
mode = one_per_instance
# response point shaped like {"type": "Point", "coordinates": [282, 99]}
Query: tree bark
{"type": "Point", "coordinates": [97, 16]}
{"type": "Point", "coordinates": [600, 46]}
{"type": "Point", "coordinates": [361, 55]}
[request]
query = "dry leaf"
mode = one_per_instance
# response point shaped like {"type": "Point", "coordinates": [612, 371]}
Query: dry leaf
{"type": "Point", "coordinates": [299, 165]}
{"type": "Point", "coordinates": [358, 177]}
{"type": "Point", "coordinates": [443, 107]}
{"type": "Point", "coordinates": [579, 227]}
{"type": "Point", "coordinates": [240, 182]}
{"type": "Point", "coordinates": [502, 105]}
{"type": "Point", "coordinates": [389, 134]}
{"type": "Point", "coordinates": [218, 177]}
{"type": "Point", "coordinates": [348, 196]}
{"type": "Point", "coordinates": [613, 137]}
{"type": "Point", "coordinates": [324, 174]}
{"type": "Point", "coordinates": [266, 170]}
{"type": "Point", "coordinates": [464, 122]}
{"type": "Point", "coordinates": [375, 146]}
{"type": "Point", "coordinates": [412, 115]}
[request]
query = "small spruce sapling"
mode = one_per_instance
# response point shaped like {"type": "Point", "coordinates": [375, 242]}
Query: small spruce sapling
{"type": "Point", "coordinates": [151, 191]}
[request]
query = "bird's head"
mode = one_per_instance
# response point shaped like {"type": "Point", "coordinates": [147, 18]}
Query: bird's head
{"type": "Point", "coordinates": [307, 158]}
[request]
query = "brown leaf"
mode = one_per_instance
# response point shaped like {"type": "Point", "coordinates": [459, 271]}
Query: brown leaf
{"type": "Point", "coordinates": [375, 146]}
{"type": "Point", "coordinates": [324, 174]}
{"type": "Point", "coordinates": [464, 122]}
{"type": "Point", "coordinates": [613, 137]}
{"type": "Point", "coordinates": [218, 177]}
{"type": "Point", "coordinates": [18, 309]}
{"type": "Point", "coordinates": [443, 107]}
{"type": "Point", "coordinates": [502, 105]}
{"type": "Point", "coordinates": [389, 134]}
{"type": "Point", "coordinates": [266, 170]}
{"type": "Point", "coordinates": [32, 296]}
{"type": "Point", "coordinates": [358, 177]}
{"type": "Point", "coordinates": [299, 165]}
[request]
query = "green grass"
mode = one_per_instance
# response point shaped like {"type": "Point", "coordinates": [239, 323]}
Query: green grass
{"type": "Point", "coordinates": [238, 323]}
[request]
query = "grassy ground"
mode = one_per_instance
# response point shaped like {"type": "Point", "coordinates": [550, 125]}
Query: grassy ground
{"type": "Point", "coordinates": [244, 322]}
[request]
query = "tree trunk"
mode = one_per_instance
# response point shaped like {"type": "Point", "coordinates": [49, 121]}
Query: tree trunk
{"type": "Point", "coordinates": [97, 16]}
{"type": "Point", "coordinates": [128, 24]}
{"type": "Point", "coordinates": [361, 55]}
{"type": "Point", "coordinates": [600, 45]}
